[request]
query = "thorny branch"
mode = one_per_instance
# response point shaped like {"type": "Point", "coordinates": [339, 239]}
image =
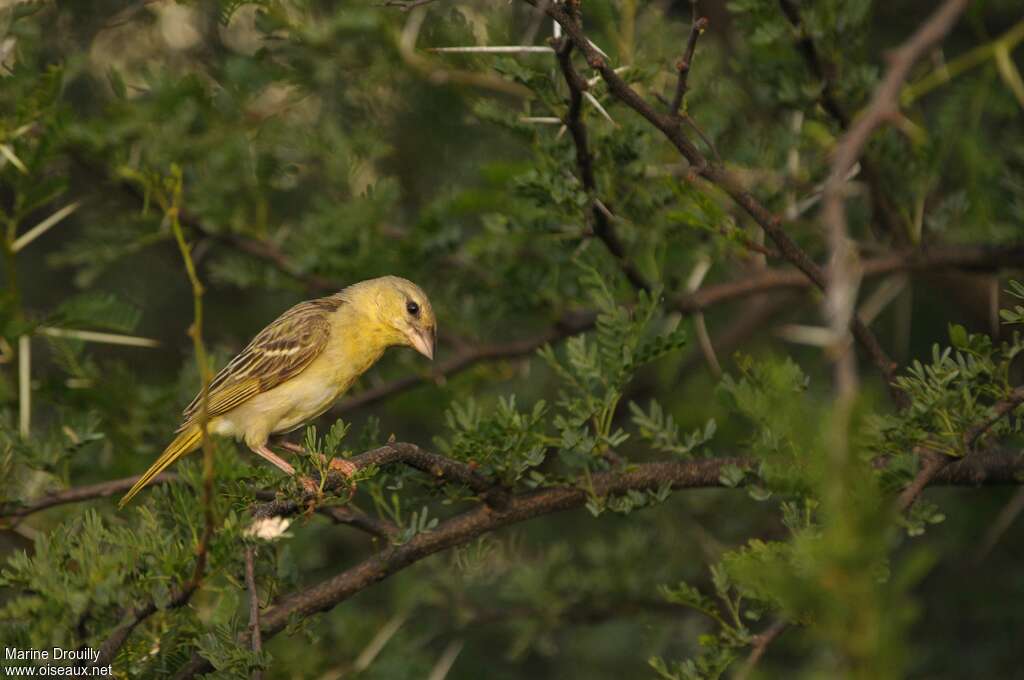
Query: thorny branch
{"type": "Point", "coordinates": [405, 5]}
{"type": "Point", "coordinates": [498, 509]}
{"type": "Point", "coordinates": [684, 64]}
{"type": "Point", "coordinates": [481, 519]}
{"type": "Point", "coordinates": [439, 467]}
{"type": "Point", "coordinates": [717, 174]}
{"type": "Point", "coordinates": [255, 636]}
{"type": "Point", "coordinates": [760, 646]}
{"type": "Point", "coordinates": [601, 219]}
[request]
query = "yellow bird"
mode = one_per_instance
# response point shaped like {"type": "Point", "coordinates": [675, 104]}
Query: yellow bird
{"type": "Point", "coordinates": [299, 365]}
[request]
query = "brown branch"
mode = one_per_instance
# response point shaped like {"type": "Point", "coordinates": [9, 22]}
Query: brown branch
{"type": "Point", "coordinates": [683, 65]}
{"type": "Point", "coordinates": [601, 221]}
{"type": "Point", "coordinates": [1001, 409]}
{"type": "Point", "coordinates": [133, 617]}
{"type": "Point", "coordinates": [760, 646]}
{"type": "Point", "coordinates": [966, 257]}
{"type": "Point", "coordinates": [339, 515]}
{"type": "Point", "coordinates": [934, 462]}
{"type": "Point", "coordinates": [481, 519]}
{"type": "Point", "coordinates": [983, 469]}
{"type": "Point", "coordinates": [349, 514]}
{"type": "Point", "coordinates": [405, 5]}
{"type": "Point", "coordinates": [255, 636]}
{"type": "Point", "coordinates": [466, 527]}
{"type": "Point", "coordinates": [12, 512]}
{"type": "Point", "coordinates": [718, 175]}
{"type": "Point", "coordinates": [439, 467]}
{"type": "Point", "coordinates": [931, 463]}
{"type": "Point", "coordinates": [354, 517]}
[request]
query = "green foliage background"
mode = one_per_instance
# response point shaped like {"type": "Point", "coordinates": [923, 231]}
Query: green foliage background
{"type": "Point", "coordinates": [319, 144]}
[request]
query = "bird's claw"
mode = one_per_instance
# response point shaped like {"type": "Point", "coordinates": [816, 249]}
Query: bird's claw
{"type": "Point", "coordinates": [343, 466]}
{"type": "Point", "coordinates": [309, 486]}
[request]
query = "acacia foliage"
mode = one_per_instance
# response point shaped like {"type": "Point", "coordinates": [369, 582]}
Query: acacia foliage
{"type": "Point", "coordinates": [318, 144]}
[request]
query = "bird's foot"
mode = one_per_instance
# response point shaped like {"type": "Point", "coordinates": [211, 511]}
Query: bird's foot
{"type": "Point", "coordinates": [292, 447]}
{"type": "Point", "coordinates": [268, 455]}
{"type": "Point", "coordinates": [309, 486]}
{"type": "Point", "coordinates": [345, 467]}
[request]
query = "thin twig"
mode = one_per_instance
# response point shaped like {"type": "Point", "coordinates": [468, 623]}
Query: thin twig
{"type": "Point", "coordinates": [78, 494]}
{"type": "Point", "coordinates": [707, 348]}
{"type": "Point", "coordinates": [1007, 516]}
{"type": "Point", "coordinates": [439, 467]}
{"type": "Point", "coordinates": [405, 5]}
{"type": "Point", "coordinates": [760, 646]}
{"type": "Point", "coordinates": [182, 594]}
{"type": "Point", "coordinates": [447, 660]}
{"type": "Point", "coordinates": [683, 65]}
{"type": "Point", "coordinates": [354, 517]}
{"type": "Point", "coordinates": [255, 636]}
{"type": "Point", "coordinates": [603, 227]}
{"type": "Point", "coordinates": [999, 411]}
{"type": "Point", "coordinates": [205, 375]}
{"type": "Point", "coordinates": [44, 226]}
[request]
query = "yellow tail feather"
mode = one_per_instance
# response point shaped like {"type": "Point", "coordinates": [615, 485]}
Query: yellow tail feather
{"type": "Point", "coordinates": [184, 443]}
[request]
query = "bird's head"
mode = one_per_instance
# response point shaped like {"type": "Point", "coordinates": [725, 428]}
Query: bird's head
{"type": "Point", "coordinates": [404, 310]}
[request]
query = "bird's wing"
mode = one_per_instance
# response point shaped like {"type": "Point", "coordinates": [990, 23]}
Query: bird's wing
{"type": "Point", "coordinates": [279, 352]}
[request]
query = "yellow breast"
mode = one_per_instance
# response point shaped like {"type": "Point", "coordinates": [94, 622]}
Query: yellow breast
{"type": "Point", "coordinates": [355, 345]}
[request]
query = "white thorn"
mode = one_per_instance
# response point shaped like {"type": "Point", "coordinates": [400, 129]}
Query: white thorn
{"type": "Point", "coordinates": [593, 100]}
{"type": "Point", "coordinates": [599, 50]}
{"type": "Point", "coordinates": [94, 336]}
{"type": "Point", "coordinates": [492, 49]}
{"type": "Point", "coordinates": [41, 228]}
{"type": "Point", "coordinates": [24, 385]}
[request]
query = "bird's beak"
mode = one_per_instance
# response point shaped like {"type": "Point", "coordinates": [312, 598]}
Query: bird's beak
{"type": "Point", "coordinates": [423, 341]}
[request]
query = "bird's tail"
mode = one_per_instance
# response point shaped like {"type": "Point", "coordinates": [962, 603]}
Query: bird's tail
{"type": "Point", "coordinates": [186, 442]}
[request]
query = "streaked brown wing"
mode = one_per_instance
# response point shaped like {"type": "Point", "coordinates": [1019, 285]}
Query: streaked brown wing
{"type": "Point", "coordinates": [279, 352]}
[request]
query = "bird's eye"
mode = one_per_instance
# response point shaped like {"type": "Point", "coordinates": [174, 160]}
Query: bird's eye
{"type": "Point", "coordinates": [412, 307]}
